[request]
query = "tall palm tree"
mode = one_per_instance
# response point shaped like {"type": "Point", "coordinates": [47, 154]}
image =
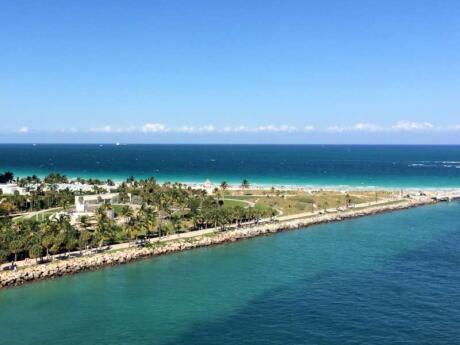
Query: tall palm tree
{"type": "Point", "coordinates": [223, 186]}
{"type": "Point", "coordinates": [132, 228]}
{"type": "Point", "coordinates": [150, 219]}
{"type": "Point", "coordinates": [103, 230]}
{"type": "Point", "coordinates": [36, 252]}
{"type": "Point", "coordinates": [245, 184]}
{"type": "Point", "coordinates": [16, 246]}
{"type": "Point", "coordinates": [48, 231]}
{"type": "Point", "coordinates": [127, 213]}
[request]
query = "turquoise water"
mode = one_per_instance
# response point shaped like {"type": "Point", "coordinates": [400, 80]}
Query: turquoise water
{"type": "Point", "coordinates": [332, 165]}
{"type": "Point", "coordinates": [386, 279]}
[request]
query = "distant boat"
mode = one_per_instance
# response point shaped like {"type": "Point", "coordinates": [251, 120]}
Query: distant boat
{"type": "Point", "coordinates": [117, 143]}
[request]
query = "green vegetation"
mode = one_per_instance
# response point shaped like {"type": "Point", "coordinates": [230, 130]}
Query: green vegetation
{"type": "Point", "coordinates": [36, 200]}
{"type": "Point", "coordinates": [45, 214]}
{"type": "Point", "coordinates": [42, 194]}
{"type": "Point", "coordinates": [293, 201]}
{"type": "Point", "coordinates": [164, 209]}
{"type": "Point", "coordinates": [6, 177]}
{"type": "Point", "coordinates": [145, 209]}
{"type": "Point", "coordinates": [233, 203]}
{"type": "Point", "coordinates": [56, 178]}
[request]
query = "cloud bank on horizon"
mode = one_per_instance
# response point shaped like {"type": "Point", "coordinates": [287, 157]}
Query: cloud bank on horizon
{"type": "Point", "coordinates": [153, 127]}
{"type": "Point", "coordinates": [401, 132]}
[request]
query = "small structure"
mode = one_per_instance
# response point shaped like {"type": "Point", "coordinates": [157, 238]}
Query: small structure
{"type": "Point", "coordinates": [207, 186]}
{"type": "Point", "coordinates": [11, 188]}
{"type": "Point", "coordinates": [89, 203]}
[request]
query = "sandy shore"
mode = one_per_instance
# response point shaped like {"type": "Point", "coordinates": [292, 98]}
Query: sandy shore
{"type": "Point", "coordinates": [125, 253]}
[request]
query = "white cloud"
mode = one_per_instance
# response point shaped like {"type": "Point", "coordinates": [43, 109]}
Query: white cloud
{"type": "Point", "coordinates": [68, 130]}
{"type": "Point", "coordinates": [237, 129]}
{"type": "Point", "coordinates": [367, 127]}
{"type": "Point", "coordinates": [360, 126]}
{"type": "Point", "coordinates": [335, 129]}
{"type": "Point", "coordinates": [188, 129]}
{"type": "Point", "coordinates": [272, 128]}
{"type": "Point", "coordinates": [126, 129]}
{"type": "Point", "coordinates": [105, 129]}
{"type": "Point", "coordinates": [209, 128]}
{"type": "Point", "coordinates": [154, 128]}
{"type": "Point", "coordinates": [267, 128]}
{"type": "Point", "coordinates": [23, 129]}
{"type": "Point", "coordinates": [408, 126]}
{"type": "Point", "coordinates": [400, 126]}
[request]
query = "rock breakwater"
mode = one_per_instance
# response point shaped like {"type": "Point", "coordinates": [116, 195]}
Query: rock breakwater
{"type": "Point", "coordinates": [74, 265]}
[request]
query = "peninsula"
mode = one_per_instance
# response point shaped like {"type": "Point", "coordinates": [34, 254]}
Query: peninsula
{"type": "Point", "coordinates": [57, 226]}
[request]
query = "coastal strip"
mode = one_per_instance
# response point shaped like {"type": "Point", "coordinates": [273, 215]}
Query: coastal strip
{"type": "Point", "coordinates": [115, 257]}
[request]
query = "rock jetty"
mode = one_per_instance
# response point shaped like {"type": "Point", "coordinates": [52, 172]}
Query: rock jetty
{"type": "Point", "coordinates": [74, 265]}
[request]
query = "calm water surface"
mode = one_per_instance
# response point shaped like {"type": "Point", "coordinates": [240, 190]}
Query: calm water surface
{"type": "Point", "coordinates": [384, 166]}
{"type": "Point", "coordinates": [386, 279]}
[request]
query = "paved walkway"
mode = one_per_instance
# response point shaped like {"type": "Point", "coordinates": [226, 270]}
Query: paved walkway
{"type": "Point", "coordinates": [34, 213]}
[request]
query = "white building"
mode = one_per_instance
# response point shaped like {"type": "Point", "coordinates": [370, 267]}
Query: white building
{"type": "Point", "coordinates": [11, 188]}
{"type": "Point", "coordinates": [77, 186]}
{"type": "Point", "coordinates": [207, 186]}
{"type": "Point", "coordinates": [88, 203]}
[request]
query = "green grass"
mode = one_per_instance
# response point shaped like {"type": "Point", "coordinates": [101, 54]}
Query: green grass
{"type": "Point", "coordinates": [263, 207]}
{"type": "Point", "coordinates": [233, 203]}
{"type": "Point", "coordinates": [40, 216]}
{"type": "Point", "coordinates": [299, 202]}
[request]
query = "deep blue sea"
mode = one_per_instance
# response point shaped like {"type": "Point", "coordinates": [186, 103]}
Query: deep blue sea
{"type": "Point", "coordinates": [387, 279]}
{"type": "Point", "coordinates": [314, 165]}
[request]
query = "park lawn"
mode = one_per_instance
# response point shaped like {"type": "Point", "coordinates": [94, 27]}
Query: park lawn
{"type": "Point", "coordinates": [233, 203]}
{"type": "Point", "coordinates": [117, 208]}
{"type": "Point", "coordinates": [298, 202]}
{"type": "Point", "coordinates": [40, 216]}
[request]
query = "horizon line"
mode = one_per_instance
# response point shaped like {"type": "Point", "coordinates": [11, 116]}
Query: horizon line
{"type": "Point", "coordinates": [226, 144]}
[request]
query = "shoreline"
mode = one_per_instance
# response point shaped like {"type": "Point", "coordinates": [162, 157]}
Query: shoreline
{"type": "Point", "coordinates": [191, 240]}
{"type": "Point", "coordinates": [262, 185]}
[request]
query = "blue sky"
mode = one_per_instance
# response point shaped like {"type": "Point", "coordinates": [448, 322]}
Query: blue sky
{"type": "Point", "coordinates": [230, 71]}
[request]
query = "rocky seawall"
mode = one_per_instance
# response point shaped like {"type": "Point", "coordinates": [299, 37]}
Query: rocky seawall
{"type": "Point", "coordinates": [85, 263]}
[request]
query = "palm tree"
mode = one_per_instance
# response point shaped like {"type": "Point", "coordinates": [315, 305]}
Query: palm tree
{"type": "Point", "coordinates": [348, 199]}
{"type": "Point", "coordinates": [127, 213]}
{"type": "Point", "coordinates": [36, 252]}
{"type": "Point", "coordinates": [164, 208]}
{"type": "Point", "coordinates": [132, 228]}
{"type": "Point", "coordinates": [65, 204]}
{"type": "Point", "coordinates": [150, 219]}
{"type": "Point", "coordinates": [223, 186]}
{"type": "Point", "coordinates": [245, 184]}
{"type": "Point", "coordinates": [84, 239]}
{"type": "Point", "coordinates": [103, 230]}
{"type": "Point", "coordinates": [6, 177]}
{"type": "Point", "coordinates": [3, 255]}
{"type": "Point", "coordinates": [16, 246]}
{"type": "Point", "coordinates": [48, 231]}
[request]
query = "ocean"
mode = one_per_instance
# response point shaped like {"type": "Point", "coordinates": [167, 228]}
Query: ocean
{"type": "Point", "coordinates": [386, 279]}
{"type": "Point", "coordinates": [300, 165]}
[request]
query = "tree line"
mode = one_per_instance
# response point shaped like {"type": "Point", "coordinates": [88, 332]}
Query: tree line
{"type": "Point", "coordinates": [165, 209]}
